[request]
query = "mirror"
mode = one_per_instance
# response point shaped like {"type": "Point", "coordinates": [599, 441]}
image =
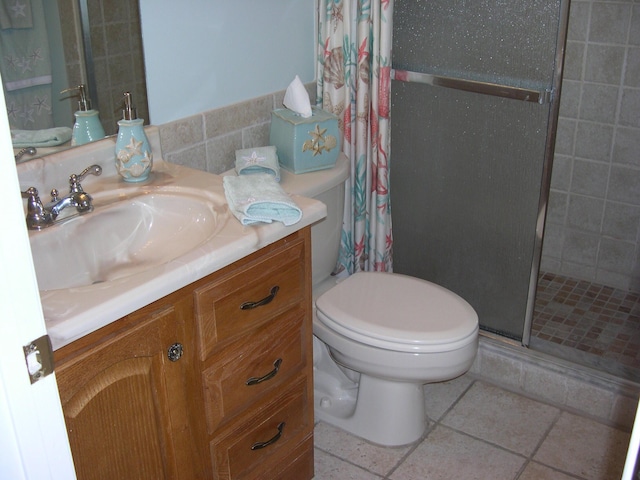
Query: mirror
{"type": "Point", "coordinates": [57, 44]}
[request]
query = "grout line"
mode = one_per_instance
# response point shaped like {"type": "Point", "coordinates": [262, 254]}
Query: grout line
{"type": "Point", "coordinates": [344, 460]}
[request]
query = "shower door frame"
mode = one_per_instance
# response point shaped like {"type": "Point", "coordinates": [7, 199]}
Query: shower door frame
{"type": "Point", "coordinates": [551, 97]}
{"type": "Point", "coordinates": [547, 165]}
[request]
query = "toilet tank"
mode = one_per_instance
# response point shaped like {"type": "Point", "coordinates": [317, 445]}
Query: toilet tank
{"type": "Point", "coordinates": [328, 187]}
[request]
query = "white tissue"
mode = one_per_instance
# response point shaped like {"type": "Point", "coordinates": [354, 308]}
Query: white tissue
{"type": "Point", "coordinates": [296, 98]}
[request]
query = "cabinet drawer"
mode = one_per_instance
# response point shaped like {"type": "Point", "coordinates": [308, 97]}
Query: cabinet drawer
{"type": "Point", "coordinates": [279, 429]}
{"type": "Point", "coordinates": [242, 373]}
{"type": "Point", "coordinates": [235, 304]}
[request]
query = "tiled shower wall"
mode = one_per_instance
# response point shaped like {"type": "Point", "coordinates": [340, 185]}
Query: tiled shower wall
{"type": "Point", "coordinates": [116, 43]}
{"type": "Point", "coordinates": [592, 230]}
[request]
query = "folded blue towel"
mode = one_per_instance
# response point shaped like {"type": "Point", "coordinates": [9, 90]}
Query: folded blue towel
{"type": "Point", "coordinates": [259, 198]}
{"type": "Point", "coordinates": [48, 137]}
{"type": "Point", "coordinates": [258, 160]}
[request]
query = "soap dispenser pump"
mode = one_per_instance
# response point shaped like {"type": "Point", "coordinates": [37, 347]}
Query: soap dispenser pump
{"type": "Point", "coordinates": [87, 127]}
{"type": "Point", "coordinates": [133, 152]}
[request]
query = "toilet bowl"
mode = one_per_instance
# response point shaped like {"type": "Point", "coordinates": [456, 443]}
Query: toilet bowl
{"type": "Point", "coordinates": [378, 337]}
{"type": "Point", "coordinates": [387, 334]}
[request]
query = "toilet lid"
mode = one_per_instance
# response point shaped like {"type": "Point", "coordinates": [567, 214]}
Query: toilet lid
{"type": "Point", "coordinates": [397, 312]}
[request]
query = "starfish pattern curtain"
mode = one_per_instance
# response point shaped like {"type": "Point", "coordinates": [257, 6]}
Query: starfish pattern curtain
{"type": "Point", "coordinates": [354, 81]}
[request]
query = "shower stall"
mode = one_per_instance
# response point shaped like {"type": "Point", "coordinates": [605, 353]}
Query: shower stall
{"type": "Point", "coordinates": [475, 113]}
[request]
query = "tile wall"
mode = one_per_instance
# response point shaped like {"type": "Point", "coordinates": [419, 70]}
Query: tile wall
{"type": "Point", "coordinates": [593, 221]}
{"type": "Point", "coordinates": [208, 141]}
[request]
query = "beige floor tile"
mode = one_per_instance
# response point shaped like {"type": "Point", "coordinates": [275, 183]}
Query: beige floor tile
{"type": "Point", "coordinates": [512, 421]}
{"type": "Point", "coordinates": [440, 396]}
{"type": "Point", "coordinates": [535, 471]}
{"type": "Point", "coordinates": [328, 467]}
{"type": "Point", "coordinates": [447, 454]}
{"type": "Point", "coordinates": [584, 447]}
{"type": "Point", "coordinates": [371, 457]}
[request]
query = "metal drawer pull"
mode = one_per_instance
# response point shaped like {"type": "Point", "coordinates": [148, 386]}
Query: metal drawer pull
{"type": "Point", "coordinates": [268, 376]}
{"type": "Point", "coordinates": [259, 445]}
{"type": "Point", "coordinates": [259, 303]}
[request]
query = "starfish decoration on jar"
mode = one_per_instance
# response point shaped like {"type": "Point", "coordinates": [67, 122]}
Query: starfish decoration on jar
{"type": "Point", "coordinates": [134, 147]}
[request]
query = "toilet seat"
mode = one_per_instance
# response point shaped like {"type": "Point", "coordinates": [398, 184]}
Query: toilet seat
{"type": "Point", "coordinates": [398, 312]}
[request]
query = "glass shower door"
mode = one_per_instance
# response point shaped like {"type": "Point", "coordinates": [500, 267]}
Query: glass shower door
{"type": "Point", "coordinates": [474, 110]}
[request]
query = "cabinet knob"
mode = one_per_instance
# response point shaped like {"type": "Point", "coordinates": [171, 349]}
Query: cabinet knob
{"type": "Point", "coordinates": [175, 352]}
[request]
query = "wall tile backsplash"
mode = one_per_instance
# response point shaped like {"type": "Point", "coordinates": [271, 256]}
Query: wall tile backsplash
{"type": "Point", "coordinates": [208, 141]}
{"type": "Point", "coordinates": [593, 223]}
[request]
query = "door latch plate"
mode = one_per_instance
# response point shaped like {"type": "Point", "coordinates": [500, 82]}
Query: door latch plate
{"type": "Point", "coordinates": [39, 358]}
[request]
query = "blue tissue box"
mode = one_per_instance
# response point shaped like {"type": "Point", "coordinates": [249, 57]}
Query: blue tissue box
{"type": "Point", "coordinates": [305, 144]}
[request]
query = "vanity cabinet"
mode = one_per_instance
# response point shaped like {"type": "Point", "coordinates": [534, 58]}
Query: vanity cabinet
{"type": "Point", "coordinates": [213, 381]}
{"type": "Point", "coordinates": [255, 347]}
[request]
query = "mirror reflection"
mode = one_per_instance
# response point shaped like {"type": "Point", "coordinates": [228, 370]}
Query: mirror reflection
{"type": "Point", "coordinates": [48, 46]}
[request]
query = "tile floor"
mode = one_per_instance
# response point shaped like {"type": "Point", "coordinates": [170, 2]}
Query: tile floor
{"type": "Point", "coordinates": [480, 431]}
{"type": "Point", "coordinates": [590, 324]}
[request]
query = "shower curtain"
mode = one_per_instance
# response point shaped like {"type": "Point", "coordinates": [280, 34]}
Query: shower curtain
{"type": "Point", "coordinates": [354, 67]}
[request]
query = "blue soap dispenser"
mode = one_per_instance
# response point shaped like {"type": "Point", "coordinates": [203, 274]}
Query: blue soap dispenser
{"type": "Point", "coordinates": [87, 127]}
{"type": "Point", "coordinates": [133, 152]}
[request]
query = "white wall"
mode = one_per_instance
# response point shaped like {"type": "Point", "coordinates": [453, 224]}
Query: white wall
{"type": "Point", "coordinates": [204, 54]}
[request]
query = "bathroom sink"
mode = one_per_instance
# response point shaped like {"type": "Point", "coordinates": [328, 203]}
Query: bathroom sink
{"type": "Point", "coordinates": [141, 242]}
{"type": "Point", "coordinates": [129, 231]}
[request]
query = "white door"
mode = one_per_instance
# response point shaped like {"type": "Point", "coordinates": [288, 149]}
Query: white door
{"type": "Point", "coordinates": [33, 441]}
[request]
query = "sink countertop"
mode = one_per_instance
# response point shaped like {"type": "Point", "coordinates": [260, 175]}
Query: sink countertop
{"type": "Point", "coordinates": [75, 312]}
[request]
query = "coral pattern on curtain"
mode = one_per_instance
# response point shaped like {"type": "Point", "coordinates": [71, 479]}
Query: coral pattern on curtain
{"type": "Point", "coordinates": [354, 67]}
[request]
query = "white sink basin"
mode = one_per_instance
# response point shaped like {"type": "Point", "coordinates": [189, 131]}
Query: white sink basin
{"type": "Point", "coordinates": [127, 233]}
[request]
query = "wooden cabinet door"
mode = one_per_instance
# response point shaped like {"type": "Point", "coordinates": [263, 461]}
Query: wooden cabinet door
{"type": "Point", "coordinates": [127, 405]}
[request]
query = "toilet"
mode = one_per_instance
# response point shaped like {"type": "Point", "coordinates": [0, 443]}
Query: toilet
{"type": "Point", "coordinates": [378, 337]}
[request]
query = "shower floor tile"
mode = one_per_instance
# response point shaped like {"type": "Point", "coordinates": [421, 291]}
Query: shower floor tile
{"type": "Point", "coordinates": [591, 324]}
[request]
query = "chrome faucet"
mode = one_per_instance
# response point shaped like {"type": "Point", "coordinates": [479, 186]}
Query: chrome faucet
{"type": "Point", "coordinates": [40, 216]}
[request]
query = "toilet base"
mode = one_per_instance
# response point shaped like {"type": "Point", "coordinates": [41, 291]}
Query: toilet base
{"type": "Point", "coordinates": [380, 411]}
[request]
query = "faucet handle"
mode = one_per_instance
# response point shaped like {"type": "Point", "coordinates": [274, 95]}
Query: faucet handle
{"type": "Point", "coordinates": [37, 215]}
{"type": "Point", "coordinates": [92, 170]}
{"type": "Point", "coordinates": [31, 193]}
{"type": "Point", "coordinates": [74, 180]}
